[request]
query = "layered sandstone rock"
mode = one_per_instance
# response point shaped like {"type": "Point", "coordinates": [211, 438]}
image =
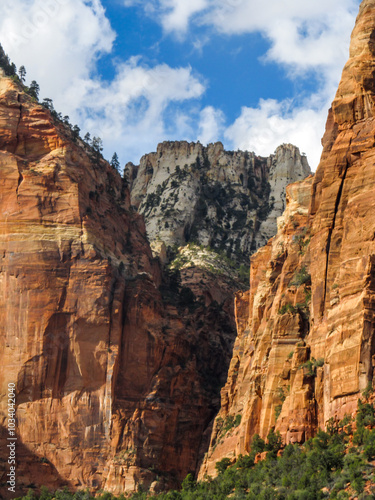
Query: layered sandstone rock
{"type": "Point", "coordinates": [296, 364]}
{"type": "Point", "coordinates": [116, 385]}
{"type": "Point", "coordinates": [272, 323]}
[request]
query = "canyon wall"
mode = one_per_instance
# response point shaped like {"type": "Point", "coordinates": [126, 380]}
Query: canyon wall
{"type": "Point", "coordinates": [117, 372]}
{"type": "Point", "coordinates": [305, 345]}
{"type": "Point", "coordinates": [117, 364]}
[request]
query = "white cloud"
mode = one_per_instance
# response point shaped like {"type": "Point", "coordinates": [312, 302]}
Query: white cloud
{"type": "Point", "coordinates": [177, 13]}
{"type": "Point", "coordinates": [140, 107]}
{"type": "Point", "coordinates": [60, 41]}
{"type": "Point", "coordinates": [174, 15]}
{"type": "Point", "coordinates": [303, 37]}
{"type": "Point", "coordinates": [264, 128]}
{"type": "Point", "coordinates": [211, 125]}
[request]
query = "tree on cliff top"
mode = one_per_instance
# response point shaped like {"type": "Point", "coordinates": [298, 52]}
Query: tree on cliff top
{"type": "Point", "coordinates": [34, 90]}
{"type": "Point", "coordinates": [97, 147]}
{"type": "Point", "coordinates": [9, 68]}
{"type": "Point", "coordinates": [22, 73]}
{"type": "Point", "coordinates": [115, 162]}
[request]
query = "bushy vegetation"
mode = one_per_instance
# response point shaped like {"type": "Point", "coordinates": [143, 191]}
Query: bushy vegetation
{"type": "Point", "coordinates": [9, 68]}
{"type": "Point", "coordinates": [334, 464]}
{"type": "Point", "coordinates": [302, 308]}
{"type": "Point", "coordinates": [301, 277]}
{"type": "Point", "coordinates": [228, 424]}
{"type": "Point", "coordinates": [213, 260]}
{"type": "Point", "coordinates": [311, 365]}
{"type": "Point", "coordinates": [330, 465]}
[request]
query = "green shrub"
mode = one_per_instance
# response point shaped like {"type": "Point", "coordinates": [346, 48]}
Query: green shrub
{"type": "Point", "coordinates": [311, 365]}
{"type": "Point", "coordinates": [257, 445]}
{"type": "Point", "coordinates": [288, 308]}
{"type": "Point", "coordinates": [301, 277]}
{"type": "Point", "coordinates": [188, 483]}
{"type": "Point", "coordinates": [222, 466]}
{"type": "Point", "coordinates": [237, 420]}
{"type": "Point", "coordinates": [274, 442]}
{"type": "Point", "coordinates": [369, 445]}
{"type": "Point", "coordinates": [368, 391]}
{"type": "Point", "coordinates": [278, 409]}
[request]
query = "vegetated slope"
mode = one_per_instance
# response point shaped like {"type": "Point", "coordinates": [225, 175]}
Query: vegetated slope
{"type": "Point", "coordinates": [306, 343]}
{"type": "Point", "coordinates": [336, 464]}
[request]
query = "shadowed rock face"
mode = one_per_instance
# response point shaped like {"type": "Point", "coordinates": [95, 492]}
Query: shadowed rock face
{"type": "Point", "coordinates": [295, 367]}
{"type": "Point", "coordinates": [116, 382]}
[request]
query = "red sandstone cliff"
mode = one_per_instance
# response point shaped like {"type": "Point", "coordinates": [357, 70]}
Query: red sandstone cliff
{"type": "Point", "coordinates": [298, 363]}
{"type": "Point", "coordinates": [114, 384]}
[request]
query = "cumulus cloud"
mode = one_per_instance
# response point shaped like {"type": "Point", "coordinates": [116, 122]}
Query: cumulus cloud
{"type": "Point", "coordinates": [301, 34]}
{"type": "Point", "coordinates": [304, 37]}
{"type": "Point", "coordinates": [211, 125]}
{"type": "Point", "coordinates": [174, 15]}
{"type": "Point", "coordinates": [140, 107]}
{"type": "Point", "coordinates": [60, 42]}
{"type": "Point", "coordinates": [177, 13]}
{"type": "Point", "coordinates": [60, 39]}
{"type": "Point", "coordinates": [272, 123]}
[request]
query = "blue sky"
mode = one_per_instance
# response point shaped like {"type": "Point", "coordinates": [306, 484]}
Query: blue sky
{"type": "Point", "coordinates": [135, 72]}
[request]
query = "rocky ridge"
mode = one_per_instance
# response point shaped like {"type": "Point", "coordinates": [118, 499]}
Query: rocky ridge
{"type": "Point", "coordinates": [305, 345]}
{"type": "Point", "coordinates": [225, 200]}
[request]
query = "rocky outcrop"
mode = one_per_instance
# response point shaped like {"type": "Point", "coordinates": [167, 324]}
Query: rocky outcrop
{"type": "Point", "coordinates": [265, 383]}
{"type": "Point", "coordinates": [116, 373]}
{"type": "Point", "coordinates": [223, 199]}
{"type": "Point", "coordinates": [298, 363]}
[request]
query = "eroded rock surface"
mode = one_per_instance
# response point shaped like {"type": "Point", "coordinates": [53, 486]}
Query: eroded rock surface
{"type": "Point", "coordinates": [223, 199]}
{"type": "Point", "coordinates": [297, 363]}
{"type": "Point", "coordinates": [117, 380]}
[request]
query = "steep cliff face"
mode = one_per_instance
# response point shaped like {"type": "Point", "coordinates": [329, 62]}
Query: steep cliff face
{"type": "Point", "coordinates": [298, 363]}
{"type": "Point", "coordinates": [223, 199]}
{"type": "Point", "coordinates": [264, 379]}
{"type": "Point", "coordinates": [116, 385]}
{"type": "Point", "coordinates": [206, 210]}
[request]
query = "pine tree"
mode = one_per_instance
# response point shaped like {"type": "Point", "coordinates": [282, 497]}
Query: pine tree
{"type": "Point", "coordinates": [115, 162]}
{"type": "Point", "coordinates": [8, 67]}
{"type": "Point", "coordinates": [76, 130]}
{"type": "Point", "coordinates": [34, 90]}
{"type": "Point", "coordinates": [22, 73]}
{"type": "Point", "coordinates": [48, 103]}
{"type": "Point", "coordinates": [97, 146]}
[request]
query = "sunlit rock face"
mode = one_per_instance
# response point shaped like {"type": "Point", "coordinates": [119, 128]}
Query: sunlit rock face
{"type": "Point", "coordinates": [117, 378]}
{"type": "Point", "coordinates": [305, 345]}
{"type": "Point", "coordinates": [227, 200]}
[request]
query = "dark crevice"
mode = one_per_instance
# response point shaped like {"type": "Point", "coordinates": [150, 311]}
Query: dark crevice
{"type": "Point", "coordinates": [329, 239]}
{"type": "Point", "coordinates": [64, 291]}
{"type": "Point", "coordinates": [18, 124]}
{"type": "Point", "coordinates": [110, 307]}
{"type": "Point", "coordinates": [20, 179]}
